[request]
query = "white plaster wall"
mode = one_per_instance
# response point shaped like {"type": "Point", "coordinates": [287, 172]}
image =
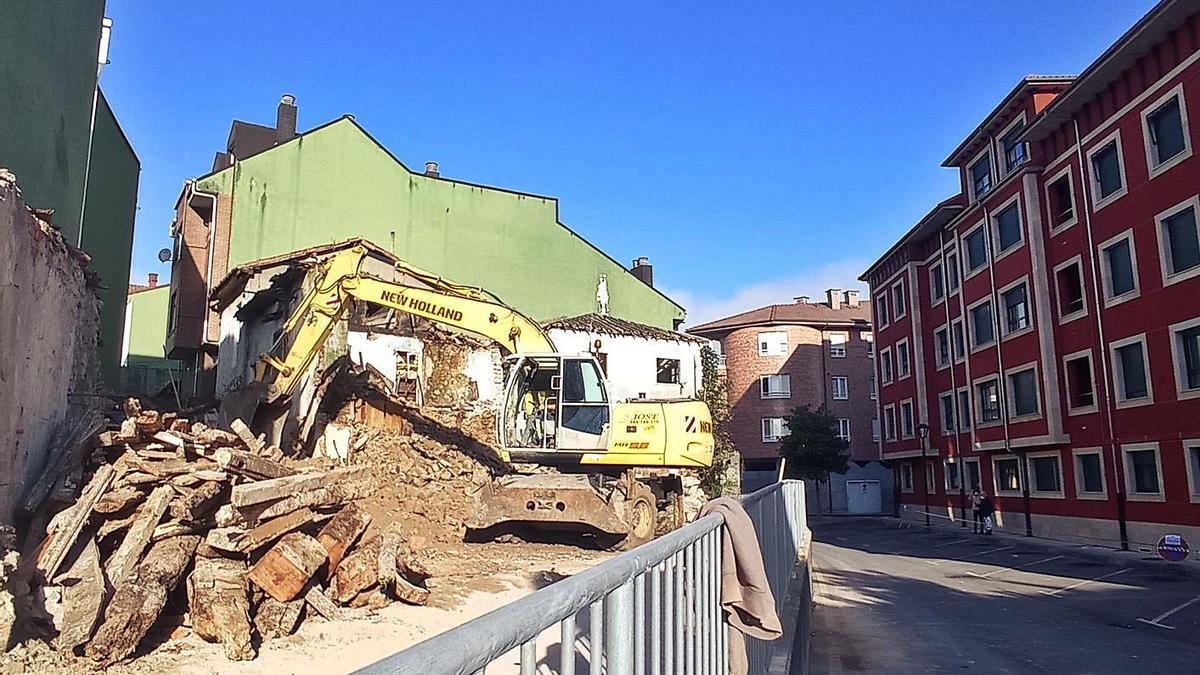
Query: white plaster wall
{"type": "Point", "coordinates": [632, 363]}
{"type": "Point", "coordinates": [379, 350]}
{"type": "Point", "coordinates": [240, 345]}
{"type": "Point", "coordinates": [483, 368]}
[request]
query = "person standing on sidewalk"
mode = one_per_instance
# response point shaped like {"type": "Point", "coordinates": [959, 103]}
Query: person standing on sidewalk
{"type": "Point", "coordinates": [987, 509]}
{"type": "Point", "coordinates": [976, 498]}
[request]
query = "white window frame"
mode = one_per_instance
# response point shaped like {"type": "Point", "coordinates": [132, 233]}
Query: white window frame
{"type": "Point", "coordinates": [1118, 376]}
{"type": "Point", "coordinates": [956, 266]}
{"type": "Point", "coordinates": [1064, 319]}
{"type": "Point", "coordinates": [969, 325]}
{"type": "Point", "coordinates": [882, 311]}
{"type": "Point", "coordinates": [876, 430]}
{"type": "Point", "coordinates": [1177, 360]}
{"type": "Point", "coordinates": [946, 464]}
{"type": "Point", "coordinates": [845, 393]}
{"type": "Point", "coordinates": [977, 402]}
{"type": "Point", "coordinates": [1086, 409]}
{"type": "Point", "coordinates": [994, 228]}
{"type": "Point", "coordinates": [1160, 168]}
{"type": "Point", "coordinates": [767, 351]}
{"type": "Point", "coordinates": [874, 388]}
{"type": "Point", "coordinates": [964, 421]}
{"type": "Point", "coordinates": [1066, 171]}
{"type": "Point", "coordinates": [1093, 179]}
{"type": "Point", "coordinates": [897, 291]}
{"type": "Point", "coordinates": [907, 350]}
{"type": "Point", "coordinates": [1010, 400]}
{"type": "Point", "coordinates": [783, 393]}
{"type": "Point", "coordinates": [1060, 493]}
{"type": "Point", "coordinates": [1193, 492]}
{"type": "Point", "coordinates": [930, 478]}
{"type": "Point", "coordinates": [996, 475]}
{"type": "Point", "coordinates": [1164, 247]}
{"type": "Point", "coordinates": [935, 300]}
{"type": "Point", "coordinates": [885, 357]}
{"type": "Point", "coordinates": [947, 395]}
{"type": "Point", "coordinates": [895, 430]}
{"type": "Point", "coordinates": [966, 343]}
{"type": "Point", "coordinates": [1106, 273]}
{"type": "Point", "coordinates": [1004, 332]}
{"type": "Point", "coordinates": [1002, 151]}
{"type": "Point", "coordinates": [836, 350]}
{"type": "Point", "coordinates": [966, 253]}
{"type": "Point", "coordinates": [906, 477]}
{"type": "Point", "coordinates": [1126, 449]}
{"type": "Point", "coordinates": [987, 151]}
{"type": "Point", "coordinates": [937, 355]}
{"type": "Point", "coordinates": [1080, 493]}
{"type": "Point", "coordinates": [844, 436]}
{"type": "Point", "coordinates": [964, 474]}
{"type": "Point", "coordinates": [912, 420]}
{"type": "Point", "coordinates": [783, 430]}
{"type": "Point", "coordinates": [869, 338]}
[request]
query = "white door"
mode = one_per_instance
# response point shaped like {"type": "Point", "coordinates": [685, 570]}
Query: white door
{"type": "Point", "coordinates": [862, 496]}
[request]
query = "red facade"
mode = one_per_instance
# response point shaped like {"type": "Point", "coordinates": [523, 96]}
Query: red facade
{"type": "Point", "coordinates": [1079, 299]}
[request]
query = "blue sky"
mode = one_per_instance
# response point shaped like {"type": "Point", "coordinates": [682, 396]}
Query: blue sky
{"type": "Point", "coordinates": [752, 152]}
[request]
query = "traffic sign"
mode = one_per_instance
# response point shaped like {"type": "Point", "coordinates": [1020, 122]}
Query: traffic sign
{"type": "Point", "coordinates": [1173, 547]}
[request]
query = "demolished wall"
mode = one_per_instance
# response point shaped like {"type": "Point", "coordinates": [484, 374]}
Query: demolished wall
{"type": "Point", "coordinates": [48, 339]}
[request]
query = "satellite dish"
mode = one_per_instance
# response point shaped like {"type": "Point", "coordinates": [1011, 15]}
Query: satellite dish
{"type": "Point", "coordinates": [164, 255]}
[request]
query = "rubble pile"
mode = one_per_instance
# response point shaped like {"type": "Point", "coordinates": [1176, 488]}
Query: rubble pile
{"type": "Point", "coordinates": [221, 525]}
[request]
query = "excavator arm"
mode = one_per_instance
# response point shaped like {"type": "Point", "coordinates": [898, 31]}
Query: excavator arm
{"type": "Point", "coordinates": [468, 309]}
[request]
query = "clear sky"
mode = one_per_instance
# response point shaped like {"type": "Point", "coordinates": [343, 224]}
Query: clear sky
{"type": "Point", "coordinates": [754, 152]}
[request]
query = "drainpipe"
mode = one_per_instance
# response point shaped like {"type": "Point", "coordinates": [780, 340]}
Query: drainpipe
{"type": "Point", "coordinates": [1105, 366]}
{"type": "Point", "coordinates": [962, 488]}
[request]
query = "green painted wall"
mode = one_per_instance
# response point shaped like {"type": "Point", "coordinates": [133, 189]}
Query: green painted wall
{"type": "Point", "coordinates": [48, 51]}
{"type": "Point", "coordinates": [147, 371]}
{"type": "Point", "coordinates": [336, 182]}
{"type": "Point", "coordinates": [108, 228]}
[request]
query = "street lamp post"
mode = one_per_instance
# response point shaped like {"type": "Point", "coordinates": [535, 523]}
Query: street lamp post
{"type": "Point", "coordinates": [924, 431]}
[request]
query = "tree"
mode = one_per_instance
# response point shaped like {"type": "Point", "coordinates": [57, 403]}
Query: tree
{"type": "Point", "coordinates": [724, 477]}
{"type": "Point", "coordinates": [812, 448]}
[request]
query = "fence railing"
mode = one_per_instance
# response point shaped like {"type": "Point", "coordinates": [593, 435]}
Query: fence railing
{"type": "Point", "coordinates": [654, 610]}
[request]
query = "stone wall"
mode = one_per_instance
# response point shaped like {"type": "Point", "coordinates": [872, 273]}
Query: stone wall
{"type": "Point", "coordinates": [49, 334]}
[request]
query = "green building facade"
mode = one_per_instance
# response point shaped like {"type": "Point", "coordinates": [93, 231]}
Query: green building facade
{"type": "Point", "coordinates": [146, 370]}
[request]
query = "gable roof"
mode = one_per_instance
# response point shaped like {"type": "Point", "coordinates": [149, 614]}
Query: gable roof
{"type": "Point", "coordinates": [1014, 99]}
{"type": "Point", "coordinates": [811, 314]}
{"type": "Point", "coordinates": [611, 325]}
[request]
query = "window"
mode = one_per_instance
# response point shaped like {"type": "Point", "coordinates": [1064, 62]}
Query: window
{"type": "Point", "coordinates": [964, 410]}
{"type": "Point", "coordinates": [1119, 268]}
{"type": "Point", "coordinates": [601, 358]}
{"type": "Point", "coordinates": [889, 422]}
{"type": "Point", "coordinates": [837, 345]}
{"type": "Point", "coordinates": [958, 340]}
{"type": "Point", "coordinates": [1015, 154]}
{"type": "Point", "coordinates": [937, 283]}
{"type": "Point", "coordinates": [982, 332]}
{"type": "Point", "coordinates": [1045, 474]}
{"type": "Point", "coordinates": [988, 394]}
{"type": "Point", "coordinates": [869, 338]}
{"type": "Point", "coordinates": [775, 386]}
{"type": "Point", "coordinates": [1089, 473]}
{"type": "Point", "coordinates": [1142, 471]}
{"type": "Point", "coordinates": [906, 477]}
{"type": "Point", "coordinates": [881, 310]}
{"type": "Point", "coordinates": [773, 343]}
{"type": "Point", "coordinates": [1023, 393]}
{"type": "Point", "coordinates": [1016, 308]}
{"type": "Point", "coordinates": [976, 243]}
{"type": "Point", "coordinates": [773, 429]}
{"type": "Point", "coordinates": [1081, 385]}
{"type": "Point", "coordinates": [668, 371]}
{"type": "Point", "coordinates": [1061, 201]}
{"type": "Point", "coordinates": [885, 365]}
{"type": "Point", "coordinates": [930, 478]}
{"type": "Point", "coordinates": [1108, 174]}
{"type": "Point", "coordinates": [1008, 228]}
{"type": "Point", "coordinates": [1166, 132]}
{"type": "Point", "coordinates": [843, 425]}
{"type": "Point", "coordinates": [1185, 351]}
{"type": "Point", "coordinates": [1068, 282]}
{"type": "Point", "coordinates": [951, 472]}
{"type": "Point", "coordinates": [841, 389]}
{"type": "Point", "coordinates": [1008, 474]}
{"type": "Point", "coordinates": [875, 428]}
{"type": "Point", "coordinates": [1191, 450]}
{"type": "Point", "coordinates": [952, 272]}
{"type": "Point", "coordinates": [906, 419]}
{"type": "Point", "coordinates": [941, 346]}
{"type": "Point", "coordinates": [1179, 242]}
{"type": "Point", "coordinates": [971, 471]}
{"type": "Point", "coordinates": [874, 389]}
{"type": "Point", "coordinates": [946, 406]}
{"type": "Point", "coordinates": [1131, 371]}
{"type": "Point", "coordinates": [899, 306]}
{"type": "Point", "coordinates": [903, 366]}
{"type": "Point", "coordinates": [981, 176]}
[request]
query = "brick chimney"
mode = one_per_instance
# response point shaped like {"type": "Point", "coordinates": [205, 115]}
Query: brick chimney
{"type": "Point", "coordinates": [152, 279]}
{"type": "Point", "coordinates": [431, 169]}
{"type": "Point", "coordinates": [285, 119]}
{"type": "Point", "coordinates": [801, 299]}
{"type": "Point", "coordinates": [643, 270]}
{"type": "Point", "coordinates": [852, 298]}
{"type": "Point", "coordinates": [834, 296]}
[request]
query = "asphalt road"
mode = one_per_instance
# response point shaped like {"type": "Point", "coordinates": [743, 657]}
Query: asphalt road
{"type": "Point", "coordinates": [895, 598]}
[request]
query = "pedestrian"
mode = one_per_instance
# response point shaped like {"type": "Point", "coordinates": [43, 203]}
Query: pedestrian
{"type": "Point", "coordinates": [987, 509]}
{"type": "Point", "coordinates": [977, 524]}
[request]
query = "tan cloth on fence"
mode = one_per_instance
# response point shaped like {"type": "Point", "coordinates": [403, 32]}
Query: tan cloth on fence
{"type": "Point", "coordinates": [746, 597]}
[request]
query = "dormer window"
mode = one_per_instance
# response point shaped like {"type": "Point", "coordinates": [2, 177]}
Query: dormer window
{"type": "Point", "coordinates": [981, 176]}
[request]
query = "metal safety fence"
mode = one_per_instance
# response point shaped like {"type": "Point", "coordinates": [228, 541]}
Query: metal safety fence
{"type": "Point", "coordinates": [654, 610]}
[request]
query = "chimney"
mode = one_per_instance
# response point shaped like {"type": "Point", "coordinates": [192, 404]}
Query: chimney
{"type": "Point", "coordinates": [431, 169]}
{"type": "Point", "coordinates": [801, 299]}
{"type": "Point", "coordinates": [152, 279]}
{"type": "Point", "coordinates": [285, 119]}
{"type": "Point", "coordinates": [643, 270]}
{"type": "Point", "coordinates": [852, 298]}
{"type": "Point", "coordinates": [834, 296]}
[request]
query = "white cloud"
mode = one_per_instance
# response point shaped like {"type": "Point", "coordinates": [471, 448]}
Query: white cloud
{"type": "Point", "coordinates": [703, 307]}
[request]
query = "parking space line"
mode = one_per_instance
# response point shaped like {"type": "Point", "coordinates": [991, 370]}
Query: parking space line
{"type": "Point", "coordinates": [929, 548]}
{"type": "Point", "coordinates": [985, 575]}
{"type": "Point", "coordinates": [968, 557]}
{"type": "Point", "coordinates": [1157, 621]}
{"type": "Point", "coordinates": [1058, 593]}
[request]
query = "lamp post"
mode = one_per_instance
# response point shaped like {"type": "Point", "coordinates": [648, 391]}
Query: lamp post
{"type": "Point", "coordinates": [923, 429]}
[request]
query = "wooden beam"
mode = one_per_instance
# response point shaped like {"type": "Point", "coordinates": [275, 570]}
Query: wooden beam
{"type": "Point", "coordinates": [328, 495]}
{"type": "Point", "coordinates": [284, 571]}
{"type": "Point", "coordinates": [64, 537]}
{"type": "Point", "coordinates": [83, 591]}
{"type": "Point", "coordinates": [278, 488]}
{"type": "Point", "coordinates": [252, 442]}
{"type": "Point", "coordinates": [219, 605]}
{"type": "Point", "coordinates": [251, 466]}
{"type": "Point", "coordinates": [275, 619]}
{"type": "Point", "coordinates": [339, 534]}
{"type": "Point", "coordinates": [125, 560]}
{"type": "Point", "coordinates": [322, 605]}
{"type": "Point", "coordinates": [358, 572]}
{"type": "Point", "coordinates": [271, 530]}
{"type": "Point", "coordinates": [196, 504]}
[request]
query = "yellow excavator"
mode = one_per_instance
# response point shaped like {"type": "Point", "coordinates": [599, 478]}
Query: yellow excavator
{"type": "Point", "coordinates": [615, 464]}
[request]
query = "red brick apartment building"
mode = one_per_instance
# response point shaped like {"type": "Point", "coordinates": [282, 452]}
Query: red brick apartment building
{"type": "Point", "coordinates": [784, 356]}
{"type": "Point", "coordinates": [1049, 314]}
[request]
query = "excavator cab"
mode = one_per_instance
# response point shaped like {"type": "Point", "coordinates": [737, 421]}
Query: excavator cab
{"type": "Point", "coordinates": [554, 403]}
